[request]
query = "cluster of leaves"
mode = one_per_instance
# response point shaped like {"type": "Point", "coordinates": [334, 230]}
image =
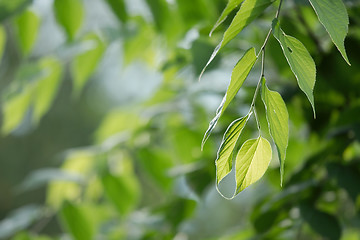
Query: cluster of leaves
{"type": "Point", "coordinates": [144, 176]}
{"type": "Point", "coordinates": [254, 156]}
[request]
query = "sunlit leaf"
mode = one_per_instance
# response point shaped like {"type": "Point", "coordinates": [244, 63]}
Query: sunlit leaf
{"type": "Point", "coordinates": [46, 87]}
{"type": "Point", "coordinates": [225, 153]}
{"type": "Point", "coordinates": [278, 119]}
{"type": "Point", "coordinates": [27, 29]}
{"type": "Point", "coordinates": [77, 221]}
{"type": "Point", "coordinates": [85, 63]}
{"type": "Point", "coordinates": [230, 6]}
{"type": "Point", "coordinates": [119, 9]}
{"type": "Point", "coordinates": [333, 16]}
{"type": "Point", "coordinates": [69, 14]}
{"type": "Point", "coordinates": [251, 162]}
{"type": "Point", "coordinates": [248, 12]}
{"type": "Point", "coordinates": [300, 61]}
{"type": "Point", "coordinates": [2, 41]}
{"type": "Point", "coordinates": [238, 76]}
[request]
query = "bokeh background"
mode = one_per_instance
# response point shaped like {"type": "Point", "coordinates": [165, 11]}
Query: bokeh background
{"type": "Point", "coordinates": [102, 117]}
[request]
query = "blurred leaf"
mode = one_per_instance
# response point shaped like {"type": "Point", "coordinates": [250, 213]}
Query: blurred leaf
{"type": "Point", "coordinates": [19, 219]}
{"type": "Point", "coordinates": [46, 87]}
{"type": "Point", "coordinates": [231, 5]}
{"type": "Point", "coordinates": [160, 12]}
{"type": "Point", "coordinates": [85, 63]}
{"type": "Point", "coordinates": [119, 9]}
{"type": "Point", "coordinates": [251, 162]}
{"type": "Point", "coordinates": [248, 12]}
{"type": "Point", "coordinates": [69, 14]}
{"type": "Point", "coordinates": [122, 187]}
{"type": "Point", "coordinates": [224, 157]}
{"type": "Point", "coordinates": [333, 16]}
{"type": "Point", "coordinates": [8, 8]}
{"type": "Point", "coordinates": [323, 223]}
{"type": "Point", "coordinates": [76, 219]}
{"type": "Point", "coordinates": [2, 41]}
{"type": "Point", "coordinates": [201, 51]}
{"type": "Point", "coordinates": [27, 29]}
{"type": "Point", "coordinates": [238, 76]}
{"type": "Point", "coordinates": [44, 176]}
{"type": "Point", "coordinates": [278, 120]}
{"type": "Point", "coordinates": [29, 236]}
{"type": "Point", "coordinates": [300, 61]}
{"type": "Point", "coordinates": [78, 163]}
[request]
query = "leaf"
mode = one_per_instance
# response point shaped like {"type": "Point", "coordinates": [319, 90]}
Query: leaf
{"type": "Point", "coordinates": [231, 5]}
{"type": "Point", "coordinates": [119, 9]}
{"type": "Point", "coordinates": [300, 61]}
{"type": "Point", "coordinates": [333, 16]}
{"type": "Point", "coordinates": [248, 12]}
{"type": "Point", "coordinates": [47, 86]}
{"type": "Point", "coordinates": [69, 14]}
{"type": "Point", "coordinates": [27, 29]}
{"type": "Point", "coordinates": [76, 220]}
{"type": "Point", "coordinates": [224, 157]}
{"type": "Point", "coordinates": [9, 8]}
{"type": "Point", "coordinates": [278, 119]}
{"type": "Point", "coordinates": [251, 162]}
{"type": "Point", "coordinates": [238, 76]}
{"type": "Point", "coordinates": [2, 41]}
{"type": "Point", "coordinates": [85, 63]}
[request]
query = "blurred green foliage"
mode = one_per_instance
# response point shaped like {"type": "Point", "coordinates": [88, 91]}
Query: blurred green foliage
{"type": "Point", "coordinates": [103, 116]}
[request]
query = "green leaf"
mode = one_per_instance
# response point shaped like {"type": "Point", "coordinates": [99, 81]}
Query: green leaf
{"type": "Point", "coordinates": [119, 9]}
{"type": "Point", "coordinates": [251, 162]}
{"type": "Point", "coordinates": [333, 16]}
{"type": "Point", "coordinates": [248, 12]}
{"type": "Point", "coordinates": [69, 14]}
{"type": "Point", "coordinates": [46, 88]}
{"type": "Point", "coordinates": [278, 120]}
{"type": "Point", "coordinates": [238, 76]}
{"type": "Point", "coordinates": [27, 29]}
{"type": "Point", "coordinates": [85, 63]}
{"type": "Point", "coordinates": [231, 5]}
{"type": "Point", "coordinates": [300, 61]}
{"type": "Point", "coordinates": [9, 8]}
{"type": "Point", "coordinates": [2, 41]}
{"type": "Point", "coordinates": [224, 157]}
{"type": "Point", "coordinates": [77, 221]}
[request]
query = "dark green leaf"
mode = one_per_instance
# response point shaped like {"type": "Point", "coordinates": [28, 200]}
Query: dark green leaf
{"type": "Point", "coordinates": [8, 8]}
{"type": "Point", "coordinates": [119, 9]}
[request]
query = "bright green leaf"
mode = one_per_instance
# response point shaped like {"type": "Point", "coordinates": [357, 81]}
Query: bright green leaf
{"type": "Point", "coordinates": [278, 119]}
{"type": "Point", "coordinates": [300, 61]}
{"type": "Point", "coordinates": [77, 221]}
{"type": "Point", "coordinates": [27, 28]}
{"type": "Point", "coordinates": [69, 14]}
{"type": "Point", "coordinates": [119, 9]}
{"type": "Point", "coordinates": [224, 157]}
{"type": "Point", "coordinates": [333, 16]}
{"type": "Point", "coordinates": [251, 162]}
{"type": "Point", "coordinates": [2, 41]}
{"type": "Point", "coordinates": [46, 87]}
{"type": "Point", "coordinates": [238, 76]}
{"type": "Point", "coordinates": [248, 12]}
{"type": "Point", "coordinates": [85, 63]}
{"type": "Point", "coordinates": [231, 5]}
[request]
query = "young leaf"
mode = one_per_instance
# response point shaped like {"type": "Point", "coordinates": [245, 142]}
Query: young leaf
{"type": "Point", "coordinates": [238, 76]}
{"type": "Point", "coordinates": [278, 119]}
{"type": "Point", "coordinates": [248, 12]}
{"type": "Point", "coordinates": [231, 5]}
{"type": "Point", "coordinates": [333, 16]}
{"type": "Point", "coordinates": [300, 61]}
{"type": "Point", "coordinates": [251, 162]}
{"type": "Point", "coordinates": [69, 14]}
{"type": "Point", "coordinates": [119, 9]}
{"type": "Point", "coordinates": [2, 41]}
{"type": "Point", "coordinates": [85, 63]}
{"type": "Point", "coordinates": [223, 160]}
{"type": "Point", "coordinates": [27, 27]}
